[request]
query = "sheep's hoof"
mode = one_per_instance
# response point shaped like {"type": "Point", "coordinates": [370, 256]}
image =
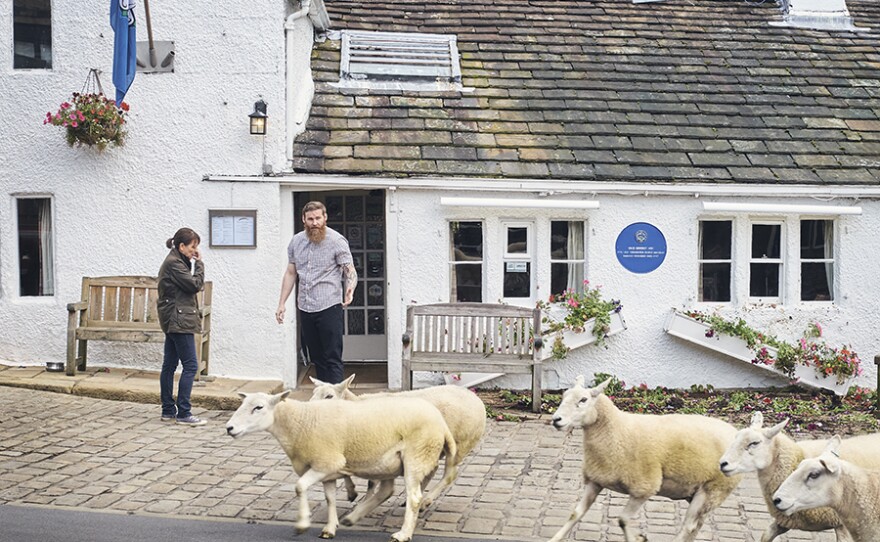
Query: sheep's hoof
{"type": "Point", "coordinates": [425, 504]}
{"type": "Point", "coordinates": [352, 496]}
{"type": "Point", "coordinates": [300, 529]}
{"type": "Point", "coordinates": [347, 522]}
{"type": "Point", "coordinates": [397, 537]}
{"type": "Point", "coordinates": [327, 534]}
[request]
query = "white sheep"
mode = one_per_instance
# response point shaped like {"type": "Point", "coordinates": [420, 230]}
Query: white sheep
{"type": "Point", "coordinates": [643, 455]}
{"type": "Point", "coordinates": [377, 440]}
{"type": "Point", "coordinates": [464, 412]}
{"type": "Point", "coordinates": [775, 456]}
{"type": "Point", "coordinates": [828, 480]}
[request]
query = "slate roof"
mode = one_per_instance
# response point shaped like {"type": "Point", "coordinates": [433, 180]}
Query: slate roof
{"type": "Point", "coordinates": [681, 90]}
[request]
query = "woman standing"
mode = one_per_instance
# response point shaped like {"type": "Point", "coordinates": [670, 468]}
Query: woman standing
{"type": "Point", "coordinates": [181, 277]}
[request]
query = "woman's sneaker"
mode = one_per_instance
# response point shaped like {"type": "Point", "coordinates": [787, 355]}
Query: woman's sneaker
{"type": "Point", "coordinates": [191, 420]}
{"type": "Point", "coordinates": [169, 417]}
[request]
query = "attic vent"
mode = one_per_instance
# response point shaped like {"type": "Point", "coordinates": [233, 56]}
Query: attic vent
{"type": "Point", "coordinates": [817, 15]}
{"type": "Point", "coordinates": [405, 57]}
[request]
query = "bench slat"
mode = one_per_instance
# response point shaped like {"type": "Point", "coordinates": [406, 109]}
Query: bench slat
{"type": "Point", "coordinates": [139, 305]}
{"type": "Point", "coordinates": [123, 313]}
{"type": "Point", "coordinates": [152, 306]}
{"type": "Point", "coordinates": [110, 303]}
{"type": "Point", "coordinates": [120, 334]}
{"type": "Point", "coordinates": [458, 365]}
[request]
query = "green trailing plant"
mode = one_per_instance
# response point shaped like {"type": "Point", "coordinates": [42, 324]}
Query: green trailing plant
{"type": "Point", "coordinates": [580, 308]}
{"type": "Point", "coordinates": [811, 350]}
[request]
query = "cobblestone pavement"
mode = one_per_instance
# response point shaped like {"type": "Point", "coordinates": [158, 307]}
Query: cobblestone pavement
{"type": "Point", "coordinates": [520, 483]}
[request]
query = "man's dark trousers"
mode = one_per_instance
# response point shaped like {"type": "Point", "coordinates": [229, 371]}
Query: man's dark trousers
{"type": "Point", "coordinates": [322, 337]}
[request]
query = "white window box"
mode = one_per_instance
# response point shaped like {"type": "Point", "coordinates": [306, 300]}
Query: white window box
{"type": "Point", "coordinates": [684, 327]}
{"type": "Point", "coordinates": [577, 339]}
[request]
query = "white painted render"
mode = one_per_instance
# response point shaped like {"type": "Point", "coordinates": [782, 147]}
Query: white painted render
{"type": "Point", "coordinates": [189, 151]}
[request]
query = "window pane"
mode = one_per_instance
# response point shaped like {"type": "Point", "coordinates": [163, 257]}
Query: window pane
{"type": "Point", "coordinates": [354, 208]}
{"type": "Point", "coordinates": [816, 281]}
{"type": "Point", "coordinates": [817, 239]}
{"type": "Point", "coordinates": [376, 321]}
{"type": "Point", "coordinates": [376, 264]}
{"type": "Point", "coordinates": [375, 294]}
{"type": "Point", "coordinates": [564, 276]}
{"type": "Point", "coordinates": [376, 206]}
{"type": "Point", "coordinates": [467, 241]}
{"type": "Point", "coordinates": [355, 322]}
{"type": "Point", "coordinates": [715, 282]}
{"type": "Point", "coordinates": [764, 280]}
{"type": "Point", "coordinates": [35, 256]}
{"type": "Point", "coordinates": [566, 240]}
{"type": "Point", "coordinates": [765, 240]}
{"type": "Point", "coordinates": [32, 31]}
{"type": "Point", "coordinates": [375, 236]}
{"type": "Point", "coordinates": [517, 279]}
{"type": "Point", "coordinates": [715, 239]}
{"type": "Point", "coordinates": [334, 208]}
{"type": "Point", "coordinates": [517, 241]}
{"type": "Point", "coordinates": [467, 283]}
{"type": "Point", "coordinates": [358, 299]}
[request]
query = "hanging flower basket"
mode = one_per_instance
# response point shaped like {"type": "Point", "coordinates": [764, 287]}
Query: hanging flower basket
{"type": "Point", "coordinates": [90, 118]}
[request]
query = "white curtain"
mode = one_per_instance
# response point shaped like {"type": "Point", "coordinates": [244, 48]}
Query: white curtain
{"type": "Point", "coordinates": [47, 275]}
{"type": "Point", "coordinates": [829, 253]}
{"type": "Point", "coordinates": [575, 250]}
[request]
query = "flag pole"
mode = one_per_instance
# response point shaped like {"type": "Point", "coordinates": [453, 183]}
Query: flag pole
{"type": "Point", "coordinates": [150, 34]}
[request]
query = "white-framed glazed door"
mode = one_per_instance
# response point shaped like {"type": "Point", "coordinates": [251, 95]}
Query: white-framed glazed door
{"type": "Point", "coordinates": [359, 215]}
{"type": "Point", "coordinates": [518, 267]}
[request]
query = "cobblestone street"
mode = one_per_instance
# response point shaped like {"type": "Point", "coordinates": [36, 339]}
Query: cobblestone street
{"type": "Point", "coordinates": [520, 483]}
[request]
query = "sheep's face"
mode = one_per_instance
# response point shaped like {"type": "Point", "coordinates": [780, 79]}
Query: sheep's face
{"type": "Point", "coordinates": [578, 406]}
{"type": "Point", "coordinates": [811, 485]}
{"type": "Point", "coordinates": [256, 413]}
{"type": "Point", "coordinates": [752, 449]}
{"type": "Point", "coordinates": [324, 390]}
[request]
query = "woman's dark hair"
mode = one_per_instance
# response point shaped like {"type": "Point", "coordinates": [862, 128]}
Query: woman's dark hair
{"type": "Point", "coordinates": [183, 235]}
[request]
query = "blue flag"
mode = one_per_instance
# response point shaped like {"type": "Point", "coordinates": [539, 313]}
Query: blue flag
{"type": "Point", "coordinates": [124, 46]}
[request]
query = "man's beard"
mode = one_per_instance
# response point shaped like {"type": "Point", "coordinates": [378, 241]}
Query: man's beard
{"type": "Point", "coordinates": [317, 233]}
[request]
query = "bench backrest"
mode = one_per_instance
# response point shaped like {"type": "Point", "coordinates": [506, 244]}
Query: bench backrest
{"type": "Point", "coordinates": [472, 328]}
{"type": "Point", "coordinates": [126, 301]}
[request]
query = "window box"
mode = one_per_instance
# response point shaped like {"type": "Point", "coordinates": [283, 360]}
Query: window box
{"type": "Point", "coordinates": [576, 339]}
{"type": "Point", "coordinates": [684, 327]}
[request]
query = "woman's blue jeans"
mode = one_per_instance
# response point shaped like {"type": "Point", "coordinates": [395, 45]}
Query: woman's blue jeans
{"type": "Point", "coordinates": [178, 347]}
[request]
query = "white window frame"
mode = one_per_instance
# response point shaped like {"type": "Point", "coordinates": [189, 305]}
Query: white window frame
{"type": "Point", "coordinates": [17, 283]}
{"type": "Point", "coordinates": [528, 256]}
{"type": "Point", "coordinates": [730, 261]}
{"type": "Point", "coordinates": [832, 260]}
{"type": "Point", "coordinates": [452, 263]}
{"type": "Point", "coordinates": [582, 261]}
{"type": "Point", "coordinates": [779, 261]}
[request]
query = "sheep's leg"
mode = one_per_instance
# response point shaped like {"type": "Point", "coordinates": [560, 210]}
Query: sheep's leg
{"type": "Point", "coordinates": [413, 503]}
{"type": "Point", "coordinates": [696, 513]}
{"type": "Point", "coordinates": [350, 490]}
{"type": "Point", "coordinates": [305, 481]}
{"type": "Point", "coordinates": [450, 473]}
{"type": "Point", "coordinates": [843, 534]}
{"type": "Point", "coordinates": [630, 511]}
{"type": "Point", "coordinates": [591, 491]}
{"type": "Point", "coordinates": [774, 530]}
{"type": "Point", "coordinates": [332, 518]}
{"type": "Point", "coordinates": [373, 500]}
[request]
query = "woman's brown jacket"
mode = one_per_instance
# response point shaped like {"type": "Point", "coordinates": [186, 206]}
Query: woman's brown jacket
{"type": "Point", "coordinates": [178, 305]}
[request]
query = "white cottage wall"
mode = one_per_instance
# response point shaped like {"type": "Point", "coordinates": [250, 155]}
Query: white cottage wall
{"type": "Point", "coordinates": [644, 353]}
{"type": "Point", "coordinates": [113, 210]}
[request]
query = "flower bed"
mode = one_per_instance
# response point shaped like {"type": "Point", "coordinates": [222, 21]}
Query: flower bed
{"type": "Point", "coordinates": [810, 361]}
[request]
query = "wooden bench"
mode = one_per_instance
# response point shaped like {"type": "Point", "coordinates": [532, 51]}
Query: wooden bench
{"type": "Point", "coordinates": [473, 337]}
{"type": "Point", "coordinates": [124, 309]}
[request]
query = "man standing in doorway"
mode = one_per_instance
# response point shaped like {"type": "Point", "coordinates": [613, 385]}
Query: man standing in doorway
{"type": "Point", "coordinates": [319, 256]}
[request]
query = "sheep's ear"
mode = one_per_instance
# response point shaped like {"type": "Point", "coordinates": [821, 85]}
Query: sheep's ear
{"type": "Point", "coordinates": [242, 395]}
{"type": "Point", "coordinates": [277, 398]}
{"type": "Point", "coordinates": [600, 389]}
{"type": "Point", "coordinates": [345, 384]}
{"type": "Point", "coordinates": [757, 420]}
{"type": "Point", "coordinates": [316, 382]}
{"type": "Point", "coordinates": [829, 463]}
{"type": "Point", "coordinates": [579, 381]}
{"type": "Point", "coordinates": [833, 445]}
{"type": "Point", "coordinates": [773, 431]}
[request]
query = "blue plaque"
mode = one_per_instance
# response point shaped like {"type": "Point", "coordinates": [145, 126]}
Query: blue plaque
{"type": "Point", "coordinates": [641, 247]}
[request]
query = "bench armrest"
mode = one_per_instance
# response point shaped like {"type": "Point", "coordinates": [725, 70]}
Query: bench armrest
{"type": "Point", "coordinates": [78, 306]}
{"type": "Point", "coordinates": [205, 311]}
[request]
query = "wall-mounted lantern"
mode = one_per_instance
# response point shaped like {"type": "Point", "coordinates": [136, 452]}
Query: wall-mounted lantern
{"type": "Point", "coordinates": [259, 118]}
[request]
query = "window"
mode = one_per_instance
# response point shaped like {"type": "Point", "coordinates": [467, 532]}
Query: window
{"type": "Point", "coordinates": [35, 257]}
{"type": "Point", "coordinates": [765, 266]}
{"type": "Point", "coordinates": [32, 33]}
{"type": "Point", "coordinates": [517, 260]}
{"type": "Point", "coordinates": [566, 256]}
{"type": "Point", "coordinates": [715, 259]}
{"type": "Point", "coordinates": [817, 260]}
{"type": "Point", "coordinates": [466, 261]}
{"type": "Point", "coordinates": [425, 59]}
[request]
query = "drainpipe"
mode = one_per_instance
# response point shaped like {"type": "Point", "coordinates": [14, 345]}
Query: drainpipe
{"type": "Point", "coordinates": [877, 409]}
{"type": "Point", "coordinates": [289, 26]}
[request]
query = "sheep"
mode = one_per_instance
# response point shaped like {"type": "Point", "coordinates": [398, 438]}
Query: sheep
{"type": "Point", "coordinates": [775, 456]}
{"type": "Point", "coordinates": [464, 412]}
{"type": "Point", "coordinates": [377, 440]}
{"type": "Point", "coordinates": [850, 490]}
{"type": "Point", "coordinates": [643, 455]}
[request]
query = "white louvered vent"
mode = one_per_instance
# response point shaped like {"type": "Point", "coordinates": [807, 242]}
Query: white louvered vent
{"type": "Point", "coordinates": [393, 56]}
{"type": "Point", "coordinates": [818, 15]}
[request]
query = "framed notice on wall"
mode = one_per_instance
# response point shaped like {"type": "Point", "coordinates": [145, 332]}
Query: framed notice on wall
{"type": "Point", "coordinates": [233, 228]}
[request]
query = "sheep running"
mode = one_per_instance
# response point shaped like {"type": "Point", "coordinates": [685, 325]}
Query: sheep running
{"type": "Point", "coordinates": [775, 456]}
{"type": "Point", "coordinates": [828, 480]}
{"type": "Point", "coordinates": [464, 412]}
{"type": "Point", "coordinates": [641, 455]}
{"type": "Point", "coordinates": [377, 440]}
